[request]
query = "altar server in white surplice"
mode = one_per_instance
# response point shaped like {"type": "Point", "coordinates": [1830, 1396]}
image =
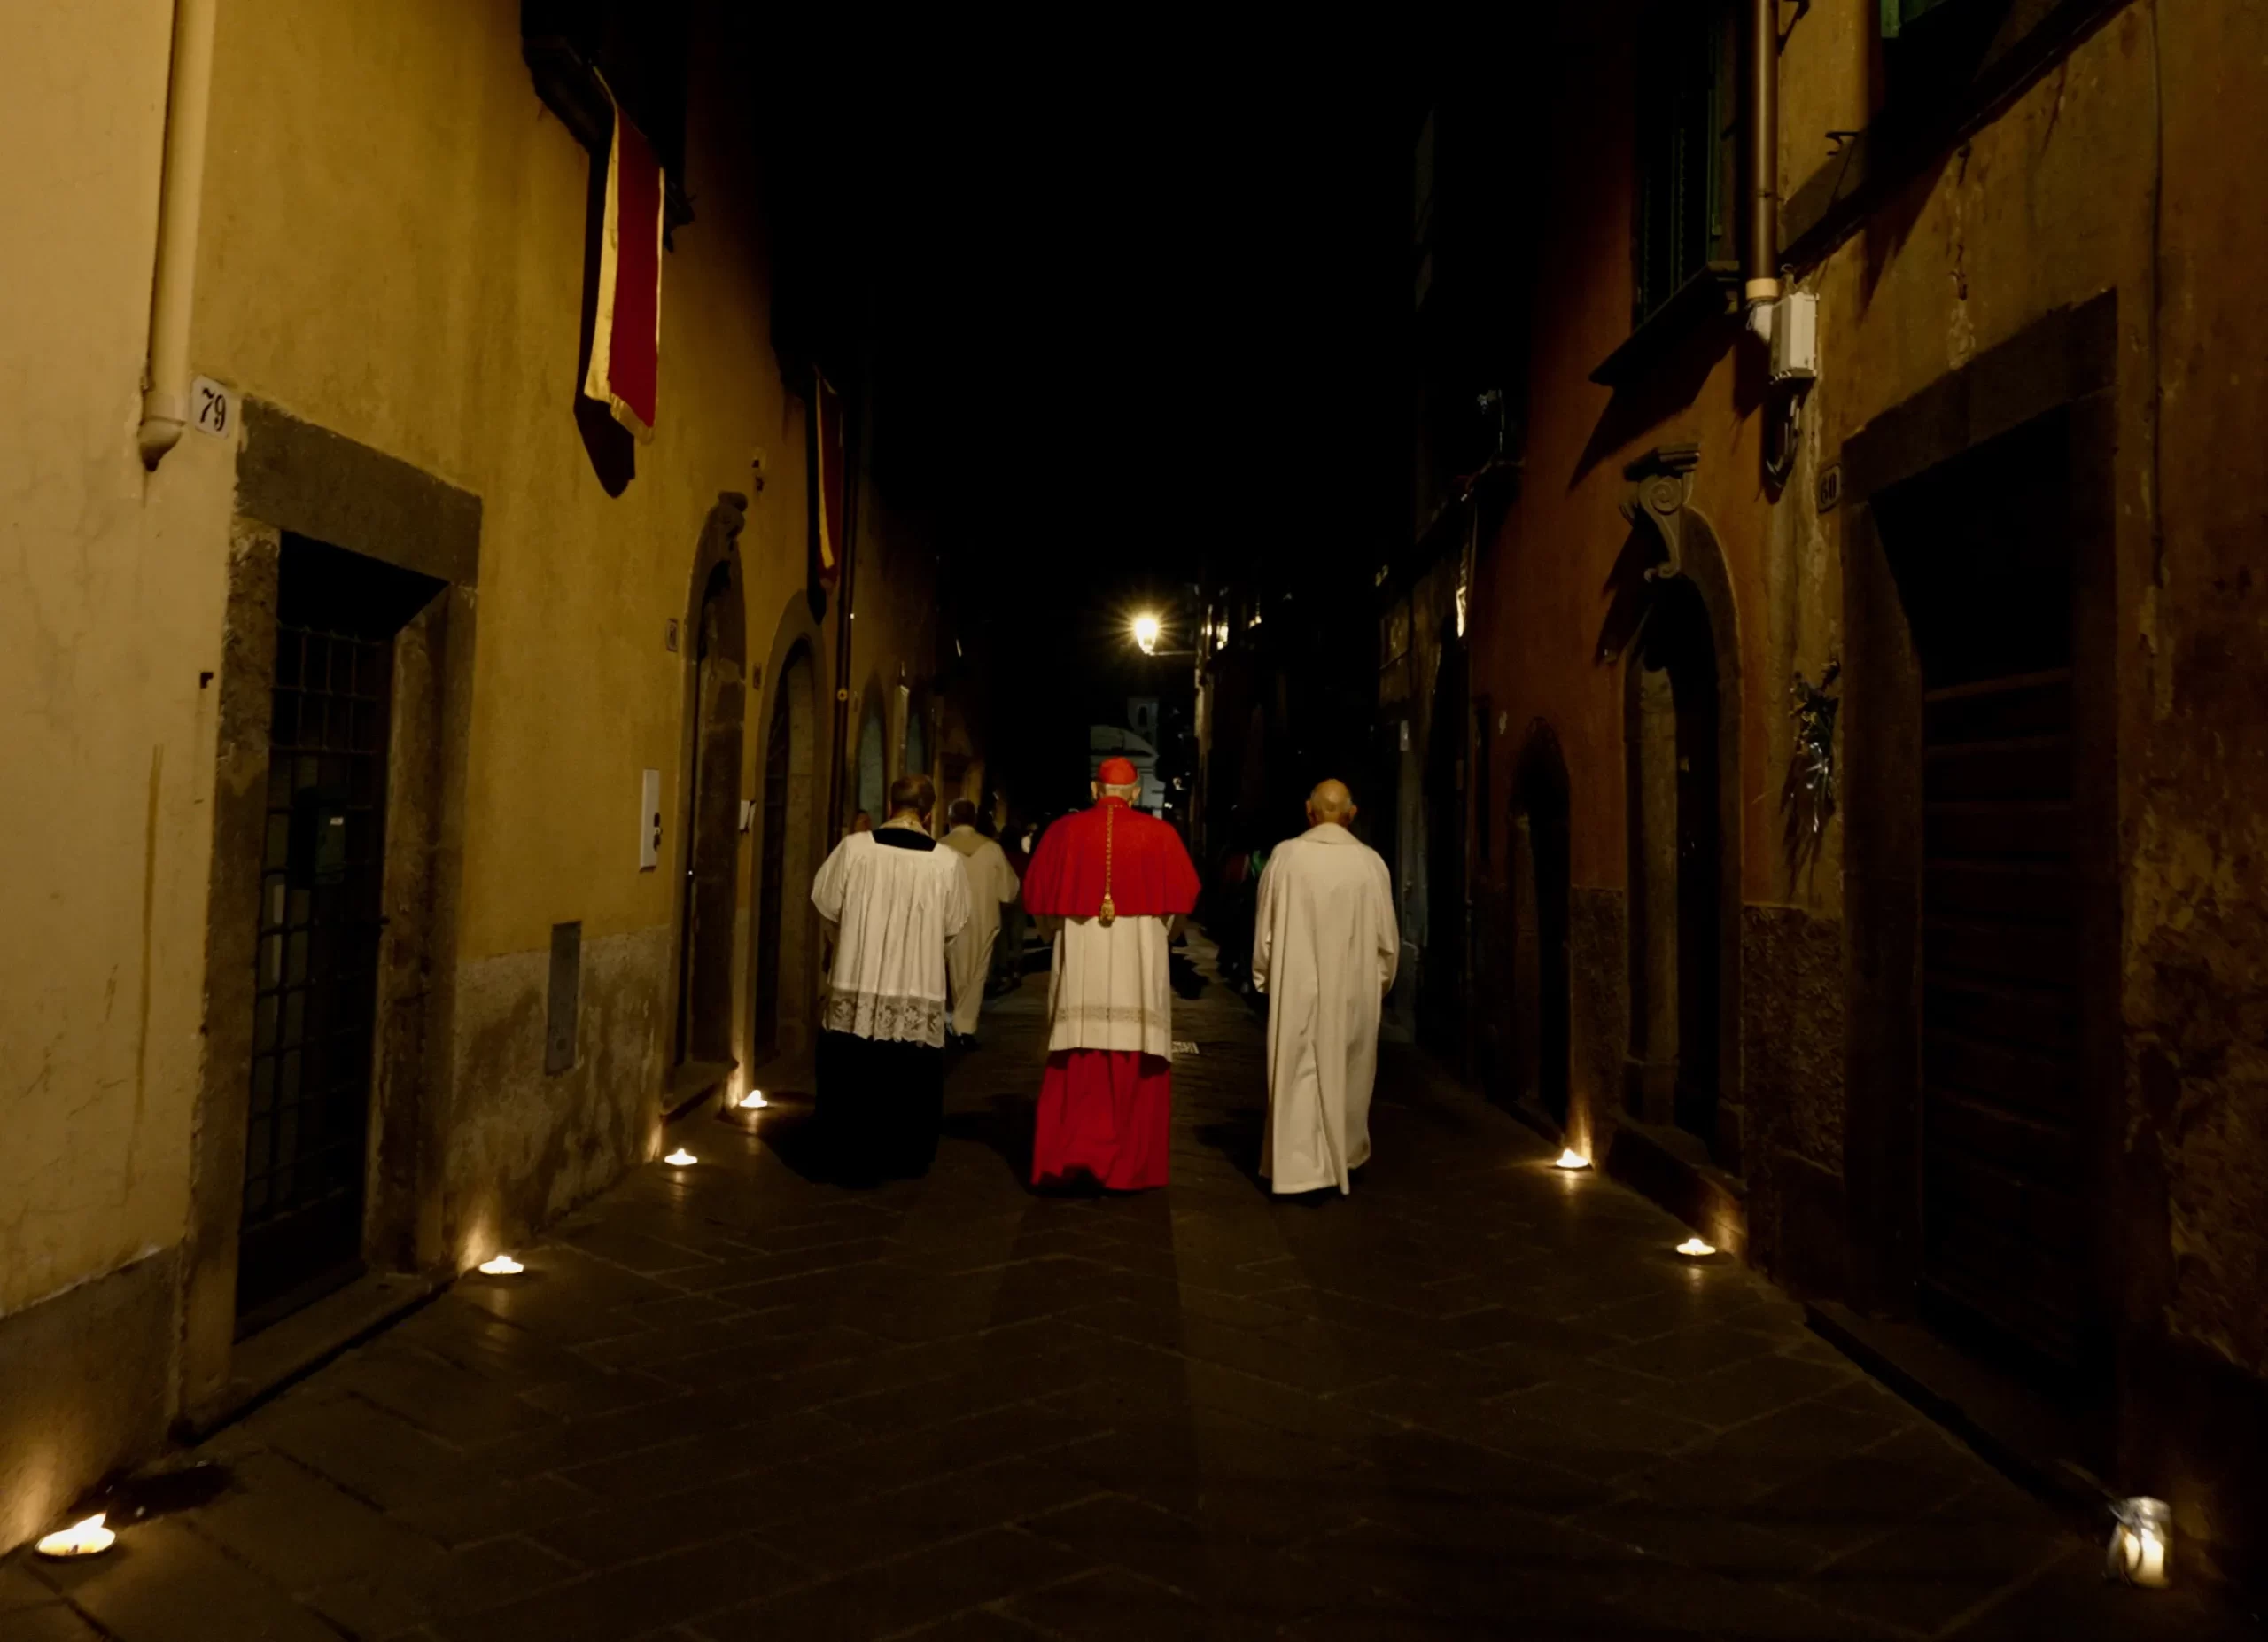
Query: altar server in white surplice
{"type": "Point", "coordinates": [1324, 949]}
{"type": "Point", "coordinates": [892, 901]}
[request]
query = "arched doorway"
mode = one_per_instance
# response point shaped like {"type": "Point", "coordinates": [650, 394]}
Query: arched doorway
{"type": "Point", "coordinates": [1677, 854]}
{"type": "Point", "coordinates": [917, 735]}
{"type": "Point", "coordinates": [786, 863]}
{"type": "Point", "coordinates": [873, 766]}
{"type": "Point", "coordinates": [1542, 872]}
{"type": "Point", "coordinates": [716, 667]}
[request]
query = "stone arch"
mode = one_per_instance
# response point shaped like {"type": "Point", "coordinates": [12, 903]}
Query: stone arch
{"type": "Point", "coordinates": [714, 645]}
{"type": "Point", "coordinates": [1541, 866]}
{"type": "Point", "coordinates": [791, 841]}
{"type": "Point", "coordinates": [1681, 738]}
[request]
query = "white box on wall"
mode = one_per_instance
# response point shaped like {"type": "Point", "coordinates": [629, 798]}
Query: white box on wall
{"type": "Point", "coordinates": [650, 821]}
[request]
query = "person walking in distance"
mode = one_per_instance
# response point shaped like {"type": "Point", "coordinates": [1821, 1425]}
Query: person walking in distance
{"type": "Point", "coordinates": [992, 886]}
{"type": "Point", "coordinates": [1325, 946]}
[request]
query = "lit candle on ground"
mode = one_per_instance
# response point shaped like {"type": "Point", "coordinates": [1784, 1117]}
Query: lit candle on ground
{"type": "Point", "coordinates": [1572, 1159]}
{"type": "Point", "coordinates": [86, 1538]}
{"type": "Point", "coordinates": [1694, 1248]}
{"type": "Point", "coordinates": [2139, 1544]}
{"type": "Point", "coordinates": [502, 1265]}
{"type": "Point", "coordinates": [754, 1102]}
{"type": "Point", "coordinates": [680, 1159]}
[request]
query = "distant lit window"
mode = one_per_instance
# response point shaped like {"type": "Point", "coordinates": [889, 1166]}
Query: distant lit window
{"type": "Point", "coordinates": [1897, 14]}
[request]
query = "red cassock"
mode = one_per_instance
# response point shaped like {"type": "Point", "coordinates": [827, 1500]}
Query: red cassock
{"type": "Point", "coordinates": [1105, 1113]}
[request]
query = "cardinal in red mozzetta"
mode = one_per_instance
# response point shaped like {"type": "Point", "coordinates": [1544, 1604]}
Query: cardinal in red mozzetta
{"type": "Point", "coordinates": [1110, 881]}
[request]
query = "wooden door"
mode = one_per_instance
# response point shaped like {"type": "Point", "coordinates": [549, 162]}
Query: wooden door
{"type": "Point", "coordinates": [1985, 573]}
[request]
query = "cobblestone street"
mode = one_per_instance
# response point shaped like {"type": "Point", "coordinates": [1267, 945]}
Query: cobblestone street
{"type": "Point", "coordinates": [1478, 1399]}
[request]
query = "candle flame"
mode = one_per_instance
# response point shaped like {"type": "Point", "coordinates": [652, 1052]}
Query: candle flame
{"type": "Point", "coordinates": [2139, 1545]}
{"type": "Point", "coordinates": [502, 1265]}
{"type": "Point", "coordinates": [1694, 1248]}
{"type": "Point", "coordinates": [1572, 1159]}
{"type": "Point", "coordinates": [86, 1538]}
{"type": "Point", "coordinates": [680, 1158]}
{"type": "Point", "coordinates": [754, 1102]}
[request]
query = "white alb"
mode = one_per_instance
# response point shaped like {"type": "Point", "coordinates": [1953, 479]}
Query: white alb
{"type": "Point", "coordinates": [1323, 948]}
{"type": "Point", "coordinates": [992, 886]}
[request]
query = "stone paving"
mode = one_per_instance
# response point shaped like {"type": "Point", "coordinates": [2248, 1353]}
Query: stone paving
{"type": "Point", "coordinates": [1478, 1399]}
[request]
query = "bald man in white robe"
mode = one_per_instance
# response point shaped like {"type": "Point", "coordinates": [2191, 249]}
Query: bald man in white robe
{"type": "Point", "coordinates": [1324, 950]}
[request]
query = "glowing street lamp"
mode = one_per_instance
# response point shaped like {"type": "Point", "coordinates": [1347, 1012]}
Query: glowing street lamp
{"type": "Point", "coordinates": [1147, 630]}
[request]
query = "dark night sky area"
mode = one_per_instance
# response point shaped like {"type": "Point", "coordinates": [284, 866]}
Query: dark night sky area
{"type": "Point", "coordinates": [1127, 314]}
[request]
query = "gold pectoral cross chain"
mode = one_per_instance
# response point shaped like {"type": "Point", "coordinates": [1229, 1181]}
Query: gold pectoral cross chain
{"type": "Point", "coordinates": [1109, 909]}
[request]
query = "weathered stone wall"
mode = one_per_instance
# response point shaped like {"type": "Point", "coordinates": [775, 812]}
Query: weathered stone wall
{"type": "Point", "coordinates": [2104, 176]}
{"type": "Point", "coordinates": [525, 1147]}
{"type": "Point", "coordinates": [1792, 1042]}
{"type": "Point", "coordinates": [2194, 773]}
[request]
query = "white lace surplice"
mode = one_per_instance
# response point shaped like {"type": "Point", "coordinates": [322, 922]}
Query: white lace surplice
{"type": "Point", "coordinates": [894, 910]}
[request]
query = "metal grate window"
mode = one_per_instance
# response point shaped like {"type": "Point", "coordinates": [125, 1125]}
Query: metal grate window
{"type": "Point", "coordinates": [315, 973]}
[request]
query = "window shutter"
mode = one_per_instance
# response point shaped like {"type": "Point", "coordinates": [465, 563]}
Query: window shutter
{"type": "Point", "coordinates": [1897, 14]}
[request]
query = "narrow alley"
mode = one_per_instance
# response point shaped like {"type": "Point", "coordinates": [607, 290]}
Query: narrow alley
{"type": "Point", "coordinates": [1480, 1397]}
{"type": "Point", "coordinates": [1679, 582]}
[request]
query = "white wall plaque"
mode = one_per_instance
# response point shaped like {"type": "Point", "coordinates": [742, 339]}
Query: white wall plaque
{"type": "Point", "coordinates": [212, 409]}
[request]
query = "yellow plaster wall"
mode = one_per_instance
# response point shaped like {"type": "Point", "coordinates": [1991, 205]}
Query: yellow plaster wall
{"type": "Point", "coordinates": [107, 617]}
{"type": "Point", "coordinates": [387, 177]}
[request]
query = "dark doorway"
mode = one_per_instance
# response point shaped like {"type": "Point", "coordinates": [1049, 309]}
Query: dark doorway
{"type": "Point", "coordinates": [1677, 865]}
{"type": "Point", "coordinates": [1981, 556]}
{"type": "Point", "coordinates": [705, 1024]}
{"type": "Point", "coordinates": [787, 761]}
{"type": "Point", "coordinates": [874, 770]}
{"type": "Point", "coordinates": [1542, 875]}
{"type": "Point", "coordinates": [315, 962]}
{"type": "Point", "coordinates": [1440, 997]}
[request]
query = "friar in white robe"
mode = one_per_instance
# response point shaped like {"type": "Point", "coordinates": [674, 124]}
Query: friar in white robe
{"type": "Point", "coordinates": [1325, 946]}
{"type": "Point", "coordinates": [992, 884]}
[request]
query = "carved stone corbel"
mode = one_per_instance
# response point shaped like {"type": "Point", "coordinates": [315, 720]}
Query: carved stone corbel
{"type": "Point", "coordinates": [1661, 485]}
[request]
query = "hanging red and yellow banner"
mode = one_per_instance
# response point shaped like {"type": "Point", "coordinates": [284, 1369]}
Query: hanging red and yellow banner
{"type": "Point", "coordinates": [626, 333]}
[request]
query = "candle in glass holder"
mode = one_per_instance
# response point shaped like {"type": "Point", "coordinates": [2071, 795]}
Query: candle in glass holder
{"type": "Point", "coordinates": [87, 1538]}
{"type": "Point", "coordinates": [2140, 1544]}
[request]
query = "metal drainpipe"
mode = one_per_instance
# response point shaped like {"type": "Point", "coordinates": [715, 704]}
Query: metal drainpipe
{"type": "Point", "coordinates": [1762, 258]}
{"type": "Point", "coordinates": [189, 103]}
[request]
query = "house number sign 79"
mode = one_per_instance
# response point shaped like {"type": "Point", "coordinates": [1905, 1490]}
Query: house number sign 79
{"type": "Point", "coordinates": [212, 408]}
